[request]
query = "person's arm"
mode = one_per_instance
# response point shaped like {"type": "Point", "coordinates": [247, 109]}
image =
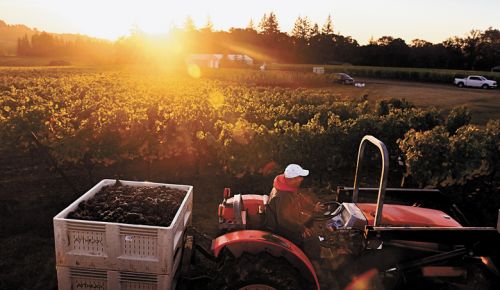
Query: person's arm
{"type": "Point", "coordinates": [309, 205]}
{"type": "Point", "coordinates": [288, 216]}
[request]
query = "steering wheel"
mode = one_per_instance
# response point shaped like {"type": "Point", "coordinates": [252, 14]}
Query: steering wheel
{"type": "Point", "coordinates": [332, 209]}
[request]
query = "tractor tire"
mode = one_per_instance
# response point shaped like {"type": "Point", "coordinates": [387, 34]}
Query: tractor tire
{"type": "Point", "coordinates": [261, 271]}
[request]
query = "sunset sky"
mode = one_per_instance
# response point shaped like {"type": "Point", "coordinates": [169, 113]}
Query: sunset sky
{"type": "Point", "coordinates": [432, 20]}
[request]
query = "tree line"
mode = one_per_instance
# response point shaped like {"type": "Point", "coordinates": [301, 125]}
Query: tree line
{"type": "Point", "coordinates": [43, 44]}
{"type": "Point", "coordinates": [308, 42]}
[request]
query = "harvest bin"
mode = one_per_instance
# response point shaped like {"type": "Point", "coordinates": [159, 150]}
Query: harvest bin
{"type": "Point", "coordinates": [116, 248]}
{"type": "Point", "coordinates": [91, 279]}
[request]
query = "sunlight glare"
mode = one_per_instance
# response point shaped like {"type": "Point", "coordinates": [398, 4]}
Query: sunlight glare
{"type": "Point", "coordinates": [176, 47]}
{"type": "Point", "coordinates": [152, 17]}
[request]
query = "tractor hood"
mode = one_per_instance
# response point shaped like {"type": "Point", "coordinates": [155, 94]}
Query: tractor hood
{"type": "Point", "coordinates": [402, 215]}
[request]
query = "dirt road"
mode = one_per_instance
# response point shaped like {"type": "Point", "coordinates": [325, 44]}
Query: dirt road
{"type": "Point", "coordinates": [484, 104]}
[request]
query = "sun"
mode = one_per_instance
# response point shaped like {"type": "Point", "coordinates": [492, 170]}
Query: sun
{"type": "Point", "coordinates": [112, 19]}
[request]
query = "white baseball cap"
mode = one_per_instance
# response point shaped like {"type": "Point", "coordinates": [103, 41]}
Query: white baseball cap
{"type": "Point", "coordinates": [294, 170]}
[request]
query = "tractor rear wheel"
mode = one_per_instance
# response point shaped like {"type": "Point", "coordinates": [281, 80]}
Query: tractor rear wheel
{"type": "Point", "coordinates": [261, 271]}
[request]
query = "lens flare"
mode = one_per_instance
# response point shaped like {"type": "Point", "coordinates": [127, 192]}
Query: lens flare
{"type": "Point", "coordinates": [216, 99]}
{"type": "Point", "coordinates": [242, 132]}
{"type": "Point", "coordinates": [194, 71]}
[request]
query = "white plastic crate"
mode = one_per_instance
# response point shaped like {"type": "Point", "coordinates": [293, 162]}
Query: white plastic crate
{"type": "Point", "coordinates": [91, 279]}
{"type": "Point", "coordinates": [122, 247]}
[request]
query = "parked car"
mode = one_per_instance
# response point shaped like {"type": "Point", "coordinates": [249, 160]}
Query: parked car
{"type": "Point", "coordinates": [475, 81]}
{"type": "Point", "coordinates": [344, 79]}
{"type": "Point", "coordinates": [496, 69]}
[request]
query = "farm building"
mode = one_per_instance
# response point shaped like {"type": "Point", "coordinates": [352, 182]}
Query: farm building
{"type": "Point", "coordinates": [241, 57]}
{"type": "Point", "coordinates": [214, 60]}
{"type": "Point", "coordinates": [205, 60]}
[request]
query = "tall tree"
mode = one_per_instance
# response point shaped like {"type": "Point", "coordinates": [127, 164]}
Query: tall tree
{"type": "Point", "coordinates": [301, 36]}
{"type": "Point", "coordinates": [314, 31]}
{"type": "Point", "coordinates": [472, 47]}
{"type": "Point", "coordinates": [209, 26]}
{"type": "Point", "coordinates": [301, 28]}
{"type": "Point", "coordinates": [298, 29]}
{"type": "Point", "coordinates": [262, 23]}
{"type": "Point", "coordinates": [189, 24]}
{"type": "Point", "coordinates": [43, 44]}
{"type": "Point", "coordinates": [454, 55]}
{"type": "Point", "coordinates": [490, 50]}
{"type": "Point", "coordinates": [269, 24]}
{"type": "Point", "coordinates": [328, 26]}
{"type": "Point", "coordinates": [251, 25]}
{"type": "Point", "coordinates": [23, 46]}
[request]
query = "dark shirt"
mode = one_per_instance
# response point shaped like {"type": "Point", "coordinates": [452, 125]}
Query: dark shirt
{"type": "Point", "coordinates": [287, 211]}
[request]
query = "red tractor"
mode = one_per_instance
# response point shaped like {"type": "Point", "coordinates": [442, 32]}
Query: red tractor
{"type": "Point", "coordinates": [363, 244]}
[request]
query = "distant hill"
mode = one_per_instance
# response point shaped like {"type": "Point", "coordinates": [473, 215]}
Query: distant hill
{"type": "Point", "coordinates": [9, 34]}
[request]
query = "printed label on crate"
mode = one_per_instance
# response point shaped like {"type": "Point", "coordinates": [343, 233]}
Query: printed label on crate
{"type": "Point", "coordinates": [86, 239]}
{"type": "Point", "coordinates": [88, 243]}
{"type": "Point", "coordinates": [88, 284]}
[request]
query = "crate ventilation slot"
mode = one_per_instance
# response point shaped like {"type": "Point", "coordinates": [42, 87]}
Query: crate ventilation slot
{"type": "Point", "coordinates": [139, 243]}
{"type": "Point", "coordinates": [124, 230]}
{"type": "Point", "coordinates": [87, 273]}
{"type": "Point", "coordinates": [85, 227]}
{"type": "Point", "coordinates": [138, 277]}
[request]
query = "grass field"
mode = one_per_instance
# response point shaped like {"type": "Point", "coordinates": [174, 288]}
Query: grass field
{"type": "Point", "coordinates": [396, 73]}
{"type": "Point", "coordinates": [483, 104]}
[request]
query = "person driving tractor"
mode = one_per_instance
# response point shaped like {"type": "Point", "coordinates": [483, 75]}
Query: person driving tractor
{"type": "Point", "coordinates": [289, 211]}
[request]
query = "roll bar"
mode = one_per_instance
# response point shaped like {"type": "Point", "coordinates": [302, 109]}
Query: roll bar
{"type": "Point", "coordinates": [498, 222]}
{"type": "Point", "coordinates": [383, 176]}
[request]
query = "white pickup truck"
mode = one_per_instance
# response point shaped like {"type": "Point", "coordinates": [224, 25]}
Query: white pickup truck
{"type": "Point", "coordinates": [475, 81]}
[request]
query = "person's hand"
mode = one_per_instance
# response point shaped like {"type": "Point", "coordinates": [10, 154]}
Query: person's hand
{"type": "Point", "coordinates": [330, 228]}
{"type": "Point", "coordinates": [319, 207]}
{"type": "Point", "coordinates": [307, 233]}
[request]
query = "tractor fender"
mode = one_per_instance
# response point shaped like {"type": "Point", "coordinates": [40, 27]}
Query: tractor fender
{"type": "Point", "coordinates": [254, 242]}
